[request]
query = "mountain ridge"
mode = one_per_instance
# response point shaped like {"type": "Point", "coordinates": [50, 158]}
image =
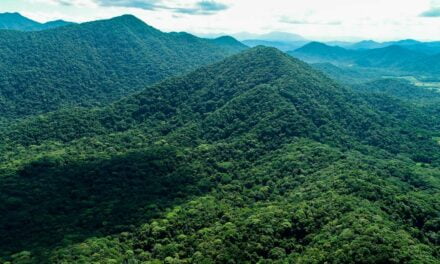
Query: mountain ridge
{"type": "Point", "coordinates": [15, 21]}
{"type": "Point", "coordinates": [106, 60]}
{"type": "Point", "coordinates": [255, 158]}
{"type": "Point", "coordinates": [263, 65]}
{"type": "Point", "coordinates": [394, 57]}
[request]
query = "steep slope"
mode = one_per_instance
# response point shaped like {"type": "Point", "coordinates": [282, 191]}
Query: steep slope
{"type": "Point", "coordinates": [93, 63]}
{"type": "Point", "coordinates": [15, 21]}
{"type": "Point", "coordinates": [193, 98]}
{"type": "Point", "coordinates": [258, 158]}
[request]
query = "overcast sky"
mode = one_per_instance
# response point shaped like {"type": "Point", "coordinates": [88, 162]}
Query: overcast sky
{"type": "Point", "coordinates": [313, 19]}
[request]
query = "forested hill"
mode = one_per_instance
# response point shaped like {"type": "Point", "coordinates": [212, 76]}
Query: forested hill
{"type": "Point", "coordinates": [257, 158]}
{"type": "Point", "coordinates": [15, 21]}
{"type": "Point", "coordinates": [93, 63]}
{"type": "Point", "coordinates": [393, 57]}
{"type": "Point", "coordinates": [325, 110]}
{"type": "Point", "coordinates": [321, 51]}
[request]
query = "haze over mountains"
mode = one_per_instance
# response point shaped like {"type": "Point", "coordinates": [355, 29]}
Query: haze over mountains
{"type": "Point", "coordinates": [288, 42]}
{"type": "Point", "coordinates": [395, 57]}
{"type": "Point", "coordinates": [125, 144]}
{"type": "Point", "coordinates": [425, 47]}
{"type": "Point", "coordinates": [15, 21]}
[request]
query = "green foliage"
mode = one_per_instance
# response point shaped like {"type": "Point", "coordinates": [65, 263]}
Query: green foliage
{"type": "Point", "coordinates": [396, 57]}
{"type": "Point", "coordinates": [262, 93]}
{"type": "Point", "coordinates": [352, 75]}
{"type": "Point", "coordinates": [255, 159]}
{"type": "Point", "coordinates": [401, 89]}
{"type": "Point", "coordinates": [94, 63]}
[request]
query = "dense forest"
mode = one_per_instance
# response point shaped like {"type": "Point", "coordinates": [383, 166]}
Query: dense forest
{"type": "Point", "coordinates": [419, 58]}
{"type": "Point", "coordinates": [401, 89]}
{"type": "Point", "coordinates": [258, 158]}
{"type": "Point", "coordinates": [352, 75]}
{"type": "Point", "coordinates": [94, 63]}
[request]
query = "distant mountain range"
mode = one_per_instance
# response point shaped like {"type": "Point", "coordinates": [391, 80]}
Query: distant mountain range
{"type": "Point", "coordinates": [396, 57]}
{"type": "Point", "coordinates": [271, 36]}
{"type": "Point", "coordinates": [424, 47]}
{"type": "Point", "coordinates": [16, 21]}
{"type": "Point", "coordinates": [281, 40]}
{"type": "Point", "coordinates": [283, 46]}
{"type": "Point", "coordinates": [287, 42]}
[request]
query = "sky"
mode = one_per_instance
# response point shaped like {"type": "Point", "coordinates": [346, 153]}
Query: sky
{"type": "Point", "coordinates": [344, 20]}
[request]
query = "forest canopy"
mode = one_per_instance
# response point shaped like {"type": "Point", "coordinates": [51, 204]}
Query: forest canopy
{"type": "Point", "coordinates": [257, 158]}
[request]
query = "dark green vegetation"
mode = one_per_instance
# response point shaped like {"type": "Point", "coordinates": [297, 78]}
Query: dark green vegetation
{"type": "Point", "coordinates": [401, 89]}
{"type": "Point", "coordinates": [255, 159]}
{"type": "Point", "coordinates": [94, 63]}
{"type": "Point", "coordinates": [398, 58]}
{"type": "Point", "coordinates": [352, 75]}
{"type": "Point", "coordinates": [15, 21]}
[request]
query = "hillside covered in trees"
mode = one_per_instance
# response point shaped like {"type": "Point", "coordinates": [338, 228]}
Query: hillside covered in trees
{"type": "Point", "coordinates": [258, 158]}
{"type": "Point", "coordinates": [94, 63]}
{"type": "Point", "coordinates": [396, 57]}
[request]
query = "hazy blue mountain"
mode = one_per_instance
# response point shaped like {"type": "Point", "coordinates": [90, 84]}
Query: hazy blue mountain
{"type": "Point", "coordinates": [281, 40]}
{"type": "Point", "coordinates": [320, 52]}
{"type": "Point", "coordinates": [430, 48]}
{"type": "Point", "coordinates": [270, 36]}
{"type": "Point", "coordinates": [55, 24]}
{"type": "Point", "coordinates": [366, 44]}
{"type": "Point", "coordinates": [228, 41]}
{"type": "Point", "coordinates": [371, 44]}
{"type": "Point", "coordinates": [284, 46]}
{"type": "Point", "coordinates": [342, 44]}
{"type": "Point", "coordinates": [391, 56]}
{"type": "Point", "coordinates": [411, 44]}
{"type": "Point", "coordinates": [15, 21]}
{"type": "Point", "coordinates": [429, 64]}
{"type": "Point", "coordinates": [394, 57]}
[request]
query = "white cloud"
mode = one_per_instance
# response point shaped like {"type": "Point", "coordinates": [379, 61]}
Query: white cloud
{"type": "Point", "coordinates": [316, 19]}
{"type": "Point", "coordinates": [72, 3]}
